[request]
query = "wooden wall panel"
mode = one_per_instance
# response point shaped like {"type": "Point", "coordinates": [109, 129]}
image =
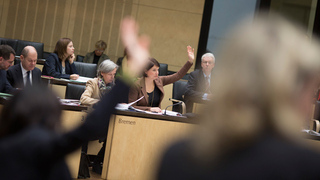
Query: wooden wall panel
{"type": "Point", "coordinates": [87, 21]}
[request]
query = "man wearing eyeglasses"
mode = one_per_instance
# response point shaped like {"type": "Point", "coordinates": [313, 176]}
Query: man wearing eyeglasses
{"type": "Point", "coordinates": [199, 82]}
{"type": "Point", "coordinates": [97, 56]}
{"type": "Point", "coordinates": [26, 73]}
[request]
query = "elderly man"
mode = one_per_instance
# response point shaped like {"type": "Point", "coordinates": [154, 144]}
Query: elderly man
{"type": "Point", "coordinates": [199, 82]}
{"type": "Point", "coordinates": [6, 60]}
{"type": "Point", "coordinates": [25, 73]}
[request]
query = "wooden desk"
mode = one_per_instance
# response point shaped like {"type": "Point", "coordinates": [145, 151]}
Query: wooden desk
{"type": "Point", "coordinates": [136, 141]}
{"type": "Point", "coordinates": [59, 86]}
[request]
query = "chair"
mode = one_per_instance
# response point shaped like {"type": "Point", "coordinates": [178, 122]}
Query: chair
{"type": "Point", "coordinates": [79, 58]}
{"type": "Point", "coordinates": [45, 55]}
{"type": "Point", "coordinates": [86, 69]}
{"type": "Point", "coordinates": [74, 91]}
{"type": "Point", "coordinates": [11, 42]}
{"type": "Point", "coordinates": [177, 95]}
{"type": "Point", "coordinates": [38, 46]}
{"type": "Point", "coordinates": [163, 69]}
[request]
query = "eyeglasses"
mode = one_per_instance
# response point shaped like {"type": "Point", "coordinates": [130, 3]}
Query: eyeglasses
{"type": "Point", "coordinates": [99, 50]}
{"type": "Point", "coordinates": [207, 62]}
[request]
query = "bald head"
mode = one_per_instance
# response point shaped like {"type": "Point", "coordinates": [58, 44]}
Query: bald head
{"type": "Point", "coordinates": [29, 58]}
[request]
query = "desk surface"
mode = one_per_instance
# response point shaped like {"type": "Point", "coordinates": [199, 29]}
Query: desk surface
{"type": "Point", "coordinates": [158, 117]}
{"type": "Point", "coordinates": [63, 82]}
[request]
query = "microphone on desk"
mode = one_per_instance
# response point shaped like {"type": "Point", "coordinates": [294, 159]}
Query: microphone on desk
{"type": "Point", "coordinates": [178, 103]}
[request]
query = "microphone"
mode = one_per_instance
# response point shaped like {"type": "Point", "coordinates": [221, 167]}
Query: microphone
{"type": "Point", "coordinates": [165, 111]}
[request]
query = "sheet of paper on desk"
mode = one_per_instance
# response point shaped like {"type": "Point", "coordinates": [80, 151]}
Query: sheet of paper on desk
{"type": "Point", "coordinates": [70, 102]}
{"type": "Point", "coordinates": [82, 79]}
{"type": "Point", "coordinates": [123, 106]}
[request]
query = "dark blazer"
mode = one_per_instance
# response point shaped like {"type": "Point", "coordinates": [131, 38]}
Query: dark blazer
{"type": "Point", "coordinates": [90, 56]}
{"type": "Point", "coordinates": [15, 78]}
{"type": "Point", "coordinates": [195, 88]}
{"type": "Point", "coordinates": [268, 158]}
{"type": "Point", "coordinates": [5, 86]}
{"type": "Point", "coordinates": [52, 67]}
{"type": "Point", "coordinates": [37, 153]}
{"type": "Point", "coordinates": [138, 89]}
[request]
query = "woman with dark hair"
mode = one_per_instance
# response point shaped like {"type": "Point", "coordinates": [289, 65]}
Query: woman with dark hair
{"type": "Point", "coordinates": [60, 64]}
{"type": "Point", "coordinates": [151, 84]}
{"type": "Point", "coordinates": [31, 145]}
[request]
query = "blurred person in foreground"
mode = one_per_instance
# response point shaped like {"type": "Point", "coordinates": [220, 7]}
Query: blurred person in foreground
{"type": "Point", "coordinates": [31, 143]}
{"type": "Point", "coordinates": [263, 91]}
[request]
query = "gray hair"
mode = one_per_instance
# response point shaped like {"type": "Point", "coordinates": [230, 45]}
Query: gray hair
{"type": "Point", "coordinates": [209, 55]}
{"type": "Point", "coordinates": [106, 66]}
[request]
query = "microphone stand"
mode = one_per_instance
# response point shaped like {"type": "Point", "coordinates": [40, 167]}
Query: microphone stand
{"type": "Point", "coordinates": [165, 111]}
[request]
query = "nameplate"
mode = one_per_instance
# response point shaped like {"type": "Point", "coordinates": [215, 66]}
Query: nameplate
{"type": "Point", "coordinates": [122, 121]}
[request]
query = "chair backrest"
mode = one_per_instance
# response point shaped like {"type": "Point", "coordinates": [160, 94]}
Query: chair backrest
{"type": "Point", "coordinates": [86, 69]}
{"type": "Point", "coordinates": [178, 90]}
{"type": "Point", "coordinates": [38, 46]}
{"type": "Point", "coordinates": [11, 42]}
{"type": "Point", "coordinates": [45, 55]}
{"type": "Point", "coordinates": [163, 69]}
{"type": "Point", "coordinates": [74, 91]}
{"type": "Point", "coordinates": [79, 58]}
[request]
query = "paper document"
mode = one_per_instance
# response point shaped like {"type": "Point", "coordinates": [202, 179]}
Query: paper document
{"type": "Point", "coordinates": [82, 79]}
{"type": "Point", "coordinates": [70, 102]}
{"type": "Point", "coordinates": [123, 106]}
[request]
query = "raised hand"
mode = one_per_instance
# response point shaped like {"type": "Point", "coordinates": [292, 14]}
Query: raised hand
{"type": "Point", "coordinates": [137, 46]}
{"type": "Point", "coordinates": [190, 51]}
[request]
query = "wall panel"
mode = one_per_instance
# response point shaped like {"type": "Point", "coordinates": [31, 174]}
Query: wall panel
{"type": "Point", "coordinates": [172, 25]}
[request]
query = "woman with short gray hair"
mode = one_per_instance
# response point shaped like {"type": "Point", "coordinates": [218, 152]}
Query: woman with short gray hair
{"type": "Point", "coordinates": [96, 87]}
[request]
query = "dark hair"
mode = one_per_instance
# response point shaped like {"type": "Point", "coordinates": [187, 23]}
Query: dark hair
{"type": "Point", "coordinates": [31, 106]}
{"type": "Point", "coordinates": [5, 51]}
{"type": "Point", "coordinates": [61, 47]}
{"type": "Point", "coordinates": [152, 62]}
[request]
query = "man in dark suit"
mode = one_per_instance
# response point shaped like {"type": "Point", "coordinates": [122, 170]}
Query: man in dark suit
{"type": "Point", "coordinates": [199, 82]}
{"type": "Point", "coordinates": [25, 73]}
{"type": "Point", "coordinates": [6, 60]}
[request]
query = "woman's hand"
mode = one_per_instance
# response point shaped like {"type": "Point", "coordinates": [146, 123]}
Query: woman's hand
{"type": "Point", "coordinates": [74, 76]}
{"type": "Point", "coordinates": [71, 58]}
{"type": "Point", "coordinates": [155, 109]}
{"type": "Point", "coordinates": [190, 51]}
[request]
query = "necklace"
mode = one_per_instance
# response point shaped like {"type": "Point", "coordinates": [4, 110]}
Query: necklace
{"type": "Point", "coordinates": [151, 99]}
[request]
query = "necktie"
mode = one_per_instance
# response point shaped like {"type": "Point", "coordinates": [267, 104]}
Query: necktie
{"type": "Point", "coordinates": [28, 83]}
{"type": "Point", "coordinates": [207, 85]}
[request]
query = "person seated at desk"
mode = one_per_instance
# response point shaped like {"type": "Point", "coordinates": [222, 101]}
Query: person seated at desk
{"type": "Point", "coordinates": [25, 73]}
{"type": "Point", "coordinates": [7, 55]}
{"type": "Point", "coordinates": [97, 56]}
{"type": "Point", "coordinates": [151, 84]}
{"type": "Point", "coordinates": [96, 87]}
{"type": "Point", "coordinates": [60, 64]}
{"type": "Point", "coordinates": [199, 82]}
{"type": "Point", "coordinates": [32, 144]}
